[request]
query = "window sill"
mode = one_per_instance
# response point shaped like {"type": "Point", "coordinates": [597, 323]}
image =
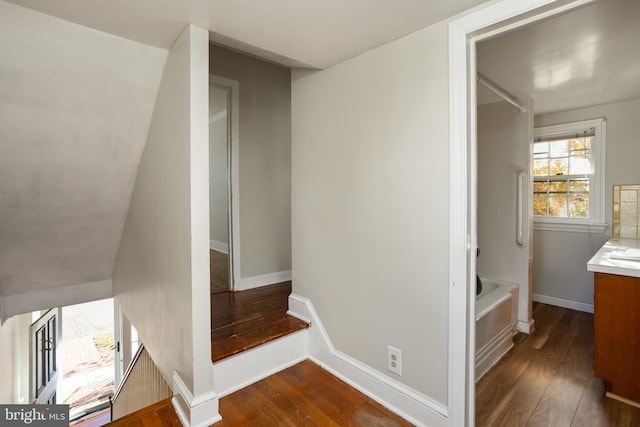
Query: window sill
{"type": "Point", "coordinates": [575, 228]}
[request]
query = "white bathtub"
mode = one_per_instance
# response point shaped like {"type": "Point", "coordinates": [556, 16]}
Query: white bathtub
{"type": "Point", "coordinates": [496, 317]}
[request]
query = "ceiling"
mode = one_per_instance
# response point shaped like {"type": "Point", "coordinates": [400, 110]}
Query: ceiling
{"type": "Point", "coordinates": [586, 57]}
{"type": "Point", "coordinates": [308, 33]}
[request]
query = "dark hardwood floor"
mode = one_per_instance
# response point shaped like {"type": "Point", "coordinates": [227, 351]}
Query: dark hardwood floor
{"type": "Point", "coordinates": [547, 379]}
{"type": "Point", "coordinates": [219, 271]}
{"type": "Point", "coordinates": [304, 395]}
{"type": "Point", "coordinates": [247, 319]}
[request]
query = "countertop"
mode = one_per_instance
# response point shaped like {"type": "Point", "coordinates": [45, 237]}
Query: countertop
{"type": "Point", "coordinates": [620, 257]}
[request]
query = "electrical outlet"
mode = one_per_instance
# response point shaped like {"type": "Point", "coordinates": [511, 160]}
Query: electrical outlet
{"type": "Point", "coordinates": [394, 360]}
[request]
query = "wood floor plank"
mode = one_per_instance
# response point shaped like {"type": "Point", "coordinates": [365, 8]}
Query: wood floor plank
{"type": "Point", "coordinates": [547, 379]}
{"type": "Point", "coordinates": [304, 395]}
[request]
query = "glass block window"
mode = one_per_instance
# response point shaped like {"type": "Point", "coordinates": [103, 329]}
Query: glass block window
{"type": "Point", "coordinates": [626, 212]}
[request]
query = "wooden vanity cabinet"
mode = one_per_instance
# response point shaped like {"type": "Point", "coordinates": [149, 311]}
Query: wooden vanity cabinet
{"type": "Point", "coordinates": [617, 333]}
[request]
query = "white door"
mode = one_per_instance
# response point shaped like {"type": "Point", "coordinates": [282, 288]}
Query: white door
{"type": "Point", "coordinates": [44, 361]}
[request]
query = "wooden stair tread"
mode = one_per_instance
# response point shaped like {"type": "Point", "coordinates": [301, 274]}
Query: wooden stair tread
{"type": "Point", "coordinates": [246, 319]}
{"type": "Point", "coordinates": [223, 347]}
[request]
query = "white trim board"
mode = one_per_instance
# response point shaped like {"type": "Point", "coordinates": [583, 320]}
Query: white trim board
{"type": "Point", "coordinates": [55, 297]}
{"type": "Point", "coordinates": [559, 302]}
{"type": "Point", "coordinates": [399, 398]}
{"type": "Point", "coordinates": [198, 411]}
{"type": "Point", "coordinates": [464, 32]}
{"type": "Point", "coordinates": [262, 280]}
{"type": "Point", "coordinates": [239, 371]}
{"type": "Point", "coordinates": [219, 246]}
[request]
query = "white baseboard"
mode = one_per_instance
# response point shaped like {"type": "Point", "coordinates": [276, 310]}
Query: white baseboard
{"type": "Point", "coordinates": [526, 327]}
{"type": "Point", "coordinates": [219, 246]}
{"type": "Point", "coordinates": [493, 351]}
{"type": "Point", "coordinates": [194, 411]}
{"type": "Point", "coordinates": [246, 283]}
{"type": "Point", "coordinates": [399, 398]}
{"type": "Point", "coordinates": [236, 372]}
{"type": "Point", "coordinates": [574, 305]}
{"type": "Point", "coordinates": [55, 297]}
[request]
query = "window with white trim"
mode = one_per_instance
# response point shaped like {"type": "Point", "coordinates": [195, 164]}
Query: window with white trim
{"type": "Point", "coordinates": [568, 176]}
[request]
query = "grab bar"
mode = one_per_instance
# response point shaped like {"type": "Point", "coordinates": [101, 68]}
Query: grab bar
{"type": "Point", "coordinates": [519, 201]}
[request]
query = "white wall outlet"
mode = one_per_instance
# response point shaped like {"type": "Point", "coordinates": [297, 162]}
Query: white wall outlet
{"type": "Point", "coordinates": [394, 360]}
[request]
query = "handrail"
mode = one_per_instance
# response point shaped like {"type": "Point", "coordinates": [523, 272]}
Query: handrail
{"type": "Point", "coordinates": [519, 202]}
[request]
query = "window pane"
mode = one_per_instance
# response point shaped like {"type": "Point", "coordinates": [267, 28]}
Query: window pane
{"type": "Point", "coordinates": [558, 206]}
{"type": "Point", "coordinates": [580, 144]}
{"type": "Point", "coordinates": [558, 186]}
{"type": "Point", "coordinates": [580, 165]}
{"type": "Point", "coordinates": [579, 207]}
{"type": "Point", "coordinates": [540, 187]}
{"type": "Point", "coordinates": [541, 167]}
{"type": "Point", "coordinates": [540, 149]}
{"type": "Point", "coordinates": [581, 185]}
{"type": "Point", "coordinates": [559, 166]}
{"type": "Point", "coordinates": [540, 206]}
{"type": "Point", "coordinates": [559, 148]}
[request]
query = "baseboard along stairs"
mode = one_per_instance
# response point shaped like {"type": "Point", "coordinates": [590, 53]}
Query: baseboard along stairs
{"type": "Point", "coordinates": [310, 341]}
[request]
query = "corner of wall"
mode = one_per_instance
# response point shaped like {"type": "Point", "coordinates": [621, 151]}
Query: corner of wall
{"type": "Point", "coordinates": [195, 412]}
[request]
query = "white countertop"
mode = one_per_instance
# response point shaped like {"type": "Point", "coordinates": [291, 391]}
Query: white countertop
{"type": "Point", "coordinates": [620, 257]}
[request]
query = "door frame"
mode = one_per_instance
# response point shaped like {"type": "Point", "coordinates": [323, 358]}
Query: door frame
{"type": "Point", "coordinates": [464, 33]}
{"type": "Point", "coordinates": [233, 178]}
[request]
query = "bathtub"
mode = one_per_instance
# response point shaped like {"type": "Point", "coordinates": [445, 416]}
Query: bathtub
{"type": "Point", "coordinates": [496, 317]}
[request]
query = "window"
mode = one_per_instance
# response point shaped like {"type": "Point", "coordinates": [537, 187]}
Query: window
{"type": "Point", "coordinates": [568, 176]}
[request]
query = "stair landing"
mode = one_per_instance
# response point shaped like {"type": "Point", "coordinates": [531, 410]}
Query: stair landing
{"type": "Point", "coordinates": [246, 319]}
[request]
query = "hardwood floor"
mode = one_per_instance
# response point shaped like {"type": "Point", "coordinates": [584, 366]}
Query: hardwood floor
{"type": "Point", "coordinates": [303, 395]}
{"type": "Point", "coordinates": [246, 319]}
{"type": "Point", "coordinates": [219, 271]}
{"type": "Point", "coordinates": [160, 414]}
{"type": "Point", "coordinates": [547, 378]}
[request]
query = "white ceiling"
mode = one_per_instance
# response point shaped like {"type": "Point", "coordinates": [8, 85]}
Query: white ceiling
{"type": "Point", "coordinates": [311, 33]}
{"type": "Point", "coordinates": [586, 57]}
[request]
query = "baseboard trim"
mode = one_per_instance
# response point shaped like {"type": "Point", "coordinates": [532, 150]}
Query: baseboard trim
{"type": "Point", "coordinates": [198, 411]}
{"type": "Point", "coordinates": [574, 305]}
{"type": "Point", "coordinates": [55, 297]}
{"type": "Point", "coordinates": [493, 351]}
{"type": "Point", "coordinates": [246, 283]}
{"type": "Point", "coordinates": [219, 246]}
{"type": "Point", "coordinates": [236, 372]}
{"type": "Point", "coordinates": [404, 401]}
{"type": "Point", "coordinates": [526, 327]}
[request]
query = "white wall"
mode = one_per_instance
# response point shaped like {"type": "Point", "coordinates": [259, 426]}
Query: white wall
{"type": "Point", "coordinates": [14, 359]}
{"type": "Point", "coordinates": [161, 279]}
{"type": "Point", "coordinates": [265, 160]}
{"type": "Point", "coordinates": [75, 107]}
{"type": "Point", "coordinates": [560, 258]}
{"type": "Point", "coordinates": [370, 168]}
{"type": "Point", "coordinates": [218, 170]}
{"type": "Point", "coordinates": [504, 136]}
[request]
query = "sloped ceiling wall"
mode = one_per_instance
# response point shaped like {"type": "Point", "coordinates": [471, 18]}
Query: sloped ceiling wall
{"type": "Point", "coordinates": [75, 107]}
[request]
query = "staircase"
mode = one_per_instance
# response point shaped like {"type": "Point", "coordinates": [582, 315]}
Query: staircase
{"type": "Point", "coordinates": [252, 336]}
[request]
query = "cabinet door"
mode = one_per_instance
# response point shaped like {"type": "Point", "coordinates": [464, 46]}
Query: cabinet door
{"type": "Point", "coordinates": [617, 333]}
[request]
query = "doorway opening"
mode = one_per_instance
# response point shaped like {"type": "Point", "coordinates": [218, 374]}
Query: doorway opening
{"type": "Point", "coordinates": [87, 357]}
{"type": "Point", "coordinates": [464, 33]}
{"type": "Point", "coordinates": [223, 184]}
